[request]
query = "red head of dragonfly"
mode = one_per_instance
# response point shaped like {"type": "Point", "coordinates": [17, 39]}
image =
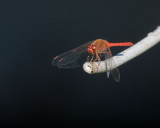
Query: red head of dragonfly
{"type": "Point", "coordinates": [92, 49]}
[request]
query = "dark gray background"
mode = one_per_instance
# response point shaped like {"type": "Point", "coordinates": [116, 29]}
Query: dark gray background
{"type": "Point", "coordinates": [32, 91]}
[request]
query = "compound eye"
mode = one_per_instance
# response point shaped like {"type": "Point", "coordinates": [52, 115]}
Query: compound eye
{"type": "Point", "coordinates": [90, 51]}
{"type": "Point", "coordinates": [93, 47]}
{"type": "Point", "coordinates": [89, 46]}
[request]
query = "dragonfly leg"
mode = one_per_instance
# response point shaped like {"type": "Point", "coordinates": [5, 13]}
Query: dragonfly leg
{"type": "Point", "coordinates": [91, 59]}
{"type": "Point", "coordinates": [96, 65]}
{"type": "Point", "coordinates": [95, 59]}
{"type": "Point", "coordinates": [100, 55]}
{"type": "Point", "coordinates": [99, 58]}
{"type": "Point", "coordinates": [88, 58]}
{"type": "Point", "coordinates": [103, 52]}
{"type": "Point", "coordinates": [91, 63]}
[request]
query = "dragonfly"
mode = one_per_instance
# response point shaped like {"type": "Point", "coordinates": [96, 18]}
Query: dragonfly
{"type": "Point", "coordinates": [92, 51]}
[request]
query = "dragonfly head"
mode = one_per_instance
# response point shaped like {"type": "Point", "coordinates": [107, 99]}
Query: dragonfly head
{"type": "Point", "coordinates": [92, 49]}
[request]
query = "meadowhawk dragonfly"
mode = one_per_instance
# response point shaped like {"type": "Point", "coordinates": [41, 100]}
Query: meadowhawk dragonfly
{"type": "Point", "coordinates": [93, 51]}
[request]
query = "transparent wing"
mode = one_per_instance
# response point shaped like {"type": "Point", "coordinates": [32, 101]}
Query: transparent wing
{"type": "Point", "coordinates": [115, 73]}
{"type": "Point", "coordinates": [72, 58]}
{"type": "Point", "coordinates": [107, 71]}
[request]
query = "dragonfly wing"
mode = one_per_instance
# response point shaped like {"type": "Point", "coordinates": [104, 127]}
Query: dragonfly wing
{"type": "Point", "coordinates": [71, 65]}
{"type": "Point", "coordinates": [114, 72]}
{"type": "Point", "coordinates": [108, 72]}
{"type": "Point", "coordinates": [72, 58]}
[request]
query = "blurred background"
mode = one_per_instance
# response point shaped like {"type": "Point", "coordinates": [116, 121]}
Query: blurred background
{"type": "Point", "coordinates": [33, 92]}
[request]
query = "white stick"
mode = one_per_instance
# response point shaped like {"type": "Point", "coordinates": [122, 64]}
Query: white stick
{"type": "Point", "coordinates": [140, 47]}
